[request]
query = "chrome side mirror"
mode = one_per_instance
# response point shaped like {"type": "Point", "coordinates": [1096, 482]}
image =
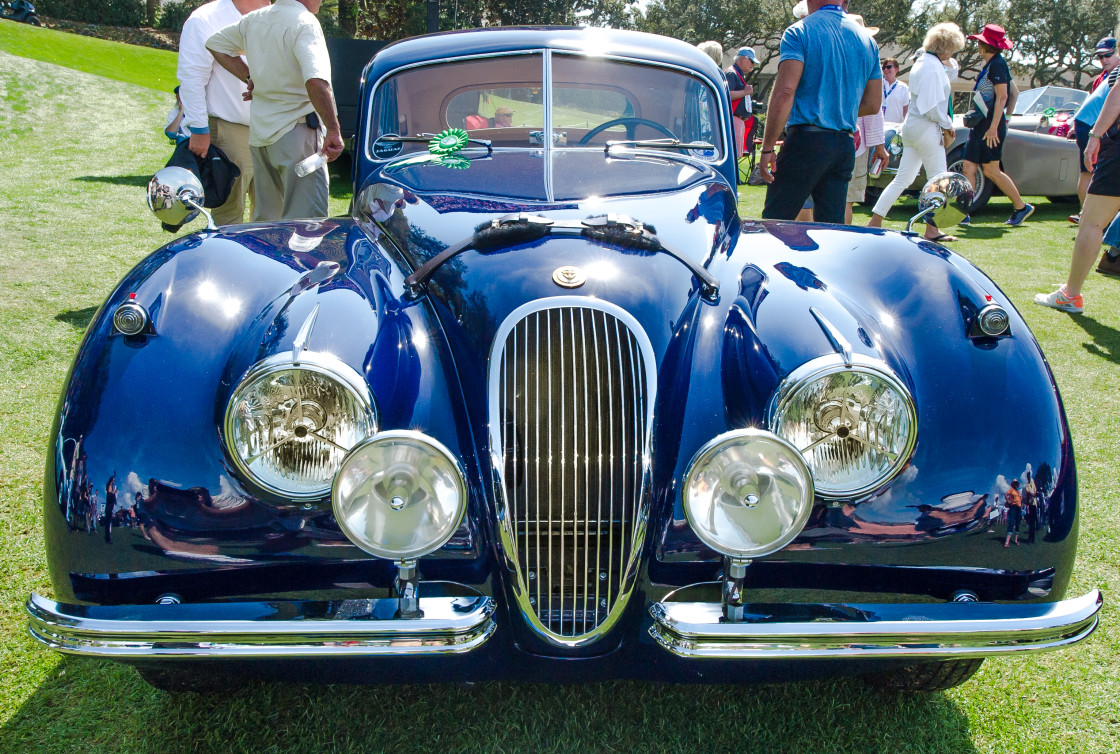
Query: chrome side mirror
{"type": "Point", "coordinates": [946, 197]}
{"type": "Point", "coordinates": [175, 196]}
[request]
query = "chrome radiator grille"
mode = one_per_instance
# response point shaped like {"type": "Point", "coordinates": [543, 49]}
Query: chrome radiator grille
{"type": "Point", "coordinates": [570, 400]}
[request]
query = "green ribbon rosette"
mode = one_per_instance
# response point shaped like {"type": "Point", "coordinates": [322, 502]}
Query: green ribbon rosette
{"type": "Point", "coordinates": [448, 142]}
{"type": "Point", "coordinates": [453, 161]}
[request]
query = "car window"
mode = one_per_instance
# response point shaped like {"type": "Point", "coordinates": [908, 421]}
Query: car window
{"type": "Point", "coordinates": [596, 100]}
{"type": "Point", "coordinates": [505, 107]}
{"type": "Point", "coordinates": [1038, 101]}
{"type": "Point", "coordinates": [502, 99]}
{"type": "Point", "coordinates": [498, 98]}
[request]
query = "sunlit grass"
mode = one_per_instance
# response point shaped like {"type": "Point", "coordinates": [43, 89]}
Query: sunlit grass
{"type": "Point", "coordinates": [143, 66]}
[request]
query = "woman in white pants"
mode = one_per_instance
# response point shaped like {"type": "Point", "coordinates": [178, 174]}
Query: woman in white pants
{"type": "Point", "coordinates": [928, 125]}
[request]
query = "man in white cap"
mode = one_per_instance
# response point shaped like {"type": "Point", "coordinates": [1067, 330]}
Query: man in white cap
{"type": "Point", "coordinates": [741, 92]}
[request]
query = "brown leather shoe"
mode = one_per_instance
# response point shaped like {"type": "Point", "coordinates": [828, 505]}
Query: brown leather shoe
{"type": "Point", "coordinates": [1109, 265]}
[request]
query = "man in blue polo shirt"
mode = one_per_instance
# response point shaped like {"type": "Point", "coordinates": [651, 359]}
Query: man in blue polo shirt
{"type": "Point", "coordinates": [828, 75]}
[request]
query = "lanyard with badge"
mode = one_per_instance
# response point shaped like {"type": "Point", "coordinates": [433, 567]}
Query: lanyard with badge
{"type": "Point", "coordinates": [886, 95]}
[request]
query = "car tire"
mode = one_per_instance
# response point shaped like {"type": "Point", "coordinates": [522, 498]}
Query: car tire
{"type": "Point", "coordinates": [189, 678]}
{"type": "Point", "coordinates": [983, 193]}
{"type": "Point", "coordinates": [926, 676]}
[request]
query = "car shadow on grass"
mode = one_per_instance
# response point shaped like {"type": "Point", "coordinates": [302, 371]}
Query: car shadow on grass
{"type": "Point", "coordinates": [82, 701]}
{"type": "Point", "coordinates": [79, 319]}
{"type": "Point", "coordinates": [119, 180]}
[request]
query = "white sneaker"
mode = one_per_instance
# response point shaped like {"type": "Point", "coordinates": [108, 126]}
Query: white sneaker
{"type": "Point", "coordinates": [1059, 300]}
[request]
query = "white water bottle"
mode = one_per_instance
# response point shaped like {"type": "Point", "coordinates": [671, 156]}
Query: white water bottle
{"type": "Point", "coordinates": [310, 165]}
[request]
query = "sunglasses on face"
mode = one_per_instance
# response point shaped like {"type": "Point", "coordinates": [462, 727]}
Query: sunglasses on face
{"type": "Point", "coordinates": [1105, 55]}
{"type": "Point", "coordinates": [889, 67]}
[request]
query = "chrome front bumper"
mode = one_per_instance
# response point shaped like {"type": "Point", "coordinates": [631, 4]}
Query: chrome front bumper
{"type": "Point", "coordinates": [449, 625]}
{"type": "Point", "coordinates": [916, 631]}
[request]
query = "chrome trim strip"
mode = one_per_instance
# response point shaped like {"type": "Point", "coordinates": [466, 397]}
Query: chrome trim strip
{"type": "Point", "coordinates": [528, 595]}
{"type": "Point", "coordinates": [299, 345]}
{"type": "Point", "coordinates": [839, 343]}
{"type": "Point", "coordinates": [450, 625]}
{"type": "Point", "coordinates": [695, 630]}
{"type": "Point", "coordinates": [547, 146]}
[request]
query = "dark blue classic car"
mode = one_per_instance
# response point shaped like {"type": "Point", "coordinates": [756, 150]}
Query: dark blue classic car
{"type": "Point", "coordinates": [546, 407]}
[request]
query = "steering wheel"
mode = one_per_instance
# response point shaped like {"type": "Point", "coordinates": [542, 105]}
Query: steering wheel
{"type": "Point", "coordinates": [630, 123]}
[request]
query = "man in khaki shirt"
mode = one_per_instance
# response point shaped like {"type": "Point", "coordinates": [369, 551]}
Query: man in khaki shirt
{"type": "Point", "coordinates": [292, 99]}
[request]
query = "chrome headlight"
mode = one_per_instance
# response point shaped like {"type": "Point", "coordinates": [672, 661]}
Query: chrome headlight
{"type": "Point", "coordinates": [747, 493]}
{"type": "Point", "coordinates": [855, 425]}
{"type": "Point", "coordinates": [288, 426]}
{"type": "Point", "coordinates": [399, 495]}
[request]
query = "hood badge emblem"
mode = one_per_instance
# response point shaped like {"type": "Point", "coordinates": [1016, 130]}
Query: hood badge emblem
{"type": "Point", "coordinates": [569, 276]}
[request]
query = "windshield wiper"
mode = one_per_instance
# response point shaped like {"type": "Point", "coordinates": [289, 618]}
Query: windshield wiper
{"type": "Point", "coordinates": [659, 144]}
{"type": "Point", "coordinates": [426, 138]}
{"type": "Point", "coordinates": [523, 228]}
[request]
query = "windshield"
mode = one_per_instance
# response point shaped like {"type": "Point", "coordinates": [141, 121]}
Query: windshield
{"type": "Point", "coordinates": [503, 99]}
{"type": "Point", "coordinates": [1038, 101]}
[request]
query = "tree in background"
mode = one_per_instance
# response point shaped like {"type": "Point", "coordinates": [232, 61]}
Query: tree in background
{"type": "Point", "coordinates": [347, 16]}
{"type": "Point", "coordinates": [732, 23]}
{"type": "Point", "coordinates": [1055, 40]}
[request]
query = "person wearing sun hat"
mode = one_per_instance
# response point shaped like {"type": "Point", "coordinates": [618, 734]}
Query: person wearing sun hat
{"type": "Point", "coordinates": [984, 147]}
{"type": "Point", "coordinates": [503, 117]}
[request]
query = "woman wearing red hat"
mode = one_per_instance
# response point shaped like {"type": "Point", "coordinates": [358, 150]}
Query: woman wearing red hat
{"type": "Point", "coordinates": [985, 141]}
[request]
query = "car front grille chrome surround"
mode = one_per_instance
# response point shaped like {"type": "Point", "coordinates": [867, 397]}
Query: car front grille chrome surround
{"type": "Point", "coordinates": [571, 391]}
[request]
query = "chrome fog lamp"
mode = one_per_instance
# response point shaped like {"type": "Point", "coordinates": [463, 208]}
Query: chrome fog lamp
{"type": "Point", "coordinates": [747, 493]}
{"type": "Point", "coordinates": [289, 425]}
{"type": "Point", "coordinates": [399, 495]}
{"type": "Point", "coordinates": [854, 423]}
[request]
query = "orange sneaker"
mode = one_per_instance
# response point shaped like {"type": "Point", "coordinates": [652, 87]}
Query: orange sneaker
{"type": "Point", "coordinates": [1059, 300]}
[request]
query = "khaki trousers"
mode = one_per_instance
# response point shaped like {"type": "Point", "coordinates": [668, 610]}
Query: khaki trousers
{"type": "Point", "coordinates": [233, 139]}
{"type": "Point", "coordinates": [278, 194]}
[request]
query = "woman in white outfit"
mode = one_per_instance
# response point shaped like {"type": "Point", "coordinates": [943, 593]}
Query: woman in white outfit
{"type": "Point", "coordinates": [928, 126]}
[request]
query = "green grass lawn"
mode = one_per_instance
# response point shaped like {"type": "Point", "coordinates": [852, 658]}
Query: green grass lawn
{"type": "Point", "coordinates": [143, 66]}
{"type": "Point", "coordinates": [73, 222]}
